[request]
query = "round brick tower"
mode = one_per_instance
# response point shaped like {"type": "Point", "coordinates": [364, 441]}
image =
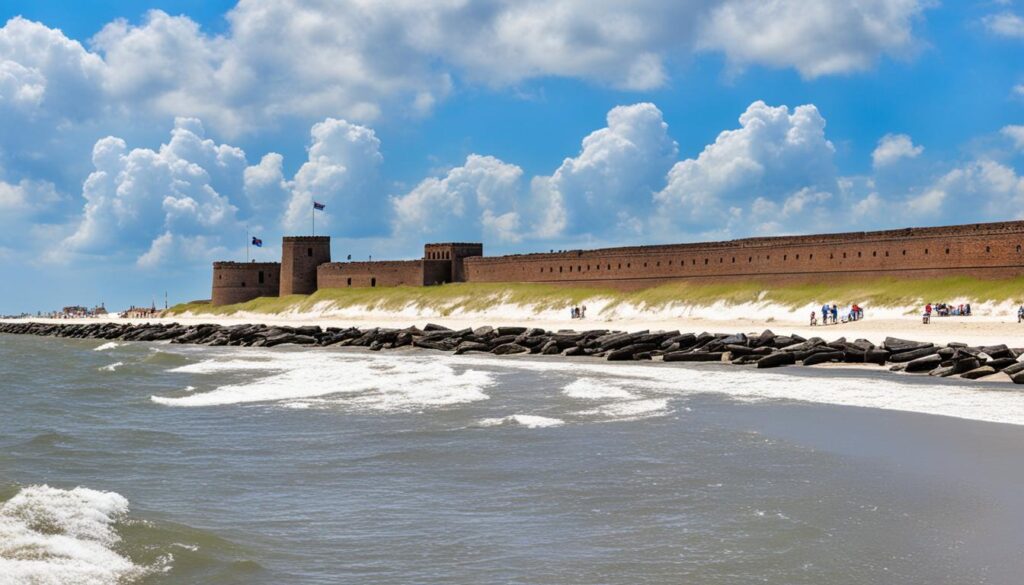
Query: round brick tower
{"type": "Point", "coordinates": [300, 255]}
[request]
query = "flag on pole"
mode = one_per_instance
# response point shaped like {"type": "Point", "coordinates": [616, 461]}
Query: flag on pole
{"type": "Point", "coordinates": [318, 206]}
{"type": "Point", "coordinates": [257, 242]}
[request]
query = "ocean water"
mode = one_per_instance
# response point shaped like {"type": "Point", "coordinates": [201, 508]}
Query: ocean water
{"type": "Point", "coordinates": [153, 463]}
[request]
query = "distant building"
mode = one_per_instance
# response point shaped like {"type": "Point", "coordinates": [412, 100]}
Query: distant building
{"type": "Point", "coordinates": [988, 250]}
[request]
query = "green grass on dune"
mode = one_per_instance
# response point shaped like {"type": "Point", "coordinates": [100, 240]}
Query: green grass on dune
{"type": "Point", "coordinates": [473, 297]}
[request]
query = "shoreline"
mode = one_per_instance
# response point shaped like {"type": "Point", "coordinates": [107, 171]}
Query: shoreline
{"type": "Point", "coordinates": [989, 362]}
{"type": "Point", "coordinates": [978, 330]}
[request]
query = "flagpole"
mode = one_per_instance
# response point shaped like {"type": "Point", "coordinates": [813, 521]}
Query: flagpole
{"type": "Point", "coordinates": [247, 244]}
{"type": "Point", "coordinates": [313, 217]}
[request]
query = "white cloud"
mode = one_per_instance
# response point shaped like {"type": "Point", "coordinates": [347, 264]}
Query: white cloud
{"type": "Point", "coordinates": [1005, 24]}
{"type": "Point", "coordinates": [343, 172]}
{"type": "Point", "coordinates": [893, 147]}
{"type": "Point", "coordinates": [775, 156]}
{"type": "Point", "coordinates": [611, 182]}
{"type": "Point", "coordinates": [264, 184]}
{"type": "Point", "coordinates": [27, 196]}
{"type": "Point", "coordinates": [1015, 134]}
{"type": "Point", "coordinates": [306, 60]}
{"type": "Point", "coordinates": [47, 70]}
{"type": "Point", "coordinates": [976, 191]}
{"type": "Point", "coordinates": [476, 200]}
{"type": "Point", "coordinates": [817, 38]}
{"type": "Point", "coordinates": [136, 197]}
{"type": "Point", "coordinates": [1018, 90]}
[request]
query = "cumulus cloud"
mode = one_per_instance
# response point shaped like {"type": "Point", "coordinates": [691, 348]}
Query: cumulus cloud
{"type": "Point", "coordinates": [1005, 24]}
{"type": "Point", "coordinates": [264, 184]}
{"type": "Point", "coordinates": [893, 147]}
{"type": "Point", "coordinates": [134, 197]}
{"type": "Point", "coordinates": [609, 185]}
{"type": "Point", "coordinates": [343, 172]}
{"type": "Point", "coordinates": [977, 191]}
{"type": "Point", "coordinates": [1015, 134]}
{"type": "Point", "coordinates": [310, 59]}
{"type": "Point", "coordinates": [27, 196]}
{"type": "Point", "coordinates": [816, 38]}
{"type": "Point", "coordinates": [774, 156]}
{"type": "Point", "coordinates": [479, 199]}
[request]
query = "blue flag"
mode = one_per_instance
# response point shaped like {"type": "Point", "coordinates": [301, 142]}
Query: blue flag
{"type": "Point", "coordinates": [318, 206]}
{"type": "Point", "coordinates": [257, 242]}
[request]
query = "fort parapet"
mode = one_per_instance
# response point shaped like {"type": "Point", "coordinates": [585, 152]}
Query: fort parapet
{"type": "Point", "coordinates": [988, 250]}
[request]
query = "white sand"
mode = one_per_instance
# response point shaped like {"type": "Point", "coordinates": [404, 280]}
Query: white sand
{"type": "Point", "coordinates": [991, 324]}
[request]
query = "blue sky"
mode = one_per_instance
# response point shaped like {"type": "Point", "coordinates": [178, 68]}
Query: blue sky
{"type": "Point", "coordinates": [142, 139]}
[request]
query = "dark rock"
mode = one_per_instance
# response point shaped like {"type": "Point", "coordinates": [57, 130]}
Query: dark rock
{"type": "Point", "coordinates": [822, 357]}
{"type": "Point", "coordinates": [627, 353]}
{"type": "Point", "coordinates": [978, 373]}
{"type": "Point", "coordinates": [779, 358]}
{"type": "Point", "coordinates": [876, 356]}
{"type": "Point", "coordinates": [999, 363]}
{"type": "Point", "coordinates": [922, 364]}
{"type": "Point", "coordinates": [468, 346]}
{"type": "Point", "coordinates": [896, 345]}
{"type": "Point", "coordinates": [908, 356]}
{"type": "Point", "coordinates": [510, 348]}
{"type": "Point", "coordinates": [698, 356]}
{"type": "Point", "coordinates": [943, 372]}
{"type": "Point", "coordinates": [1013, 368]}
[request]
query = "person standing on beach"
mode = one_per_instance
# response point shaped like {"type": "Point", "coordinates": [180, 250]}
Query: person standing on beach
{"type": "Point", "coordinates": [835, 313]}
{"type": "Point", "coordinates": [824, 314]}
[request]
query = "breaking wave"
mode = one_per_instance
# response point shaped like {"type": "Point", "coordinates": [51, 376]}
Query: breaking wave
{"type": "Point", "coordinates": [529, 421]}
{"type": "Point", "coordinates": [111, 367]}
{"type": "Point", "coordinates": [68, 537]}
{"type": "Point", "coordinates": [993, 402]}
{"type": "Point", "coordinates": [107, 345]}
{"type": "Point", "coordinates": [308, 379]}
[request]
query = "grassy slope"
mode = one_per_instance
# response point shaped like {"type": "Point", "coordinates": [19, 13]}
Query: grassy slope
{"type": "Point", "coordinates": [446, 299]}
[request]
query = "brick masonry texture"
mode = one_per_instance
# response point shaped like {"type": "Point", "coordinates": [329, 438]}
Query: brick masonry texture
{"type": "Point", "coordinates": [238, 282]}
{"type": "Point", "coordinates": [300, 257]}
{"type": "Point", "coordinates": [992, 250]}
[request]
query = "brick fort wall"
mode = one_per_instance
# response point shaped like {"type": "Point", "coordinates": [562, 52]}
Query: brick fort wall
{"type": "Point", "coordinates": [984, 250]}
{"type": "Point", "coordinates": [300, 256]}
{"type": "Point", "coordinates": [370, 274]}
{"type": "Point", "coordinates": [238, 282]}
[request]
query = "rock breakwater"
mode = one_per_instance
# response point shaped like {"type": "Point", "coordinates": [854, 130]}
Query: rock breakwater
{"type": "Point", "coordinates": [763, 350]}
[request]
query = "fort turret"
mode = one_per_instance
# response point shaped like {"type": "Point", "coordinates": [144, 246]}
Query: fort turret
{"type": "Point", "coordinates": [300, 256]}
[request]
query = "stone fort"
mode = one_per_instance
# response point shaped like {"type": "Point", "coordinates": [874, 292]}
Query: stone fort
{"type": "Point", "coordinates": [986, 250]}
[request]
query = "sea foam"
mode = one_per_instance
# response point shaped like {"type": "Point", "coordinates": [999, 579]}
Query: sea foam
{"type": "Point", "coordinates": [529, 421]}
{"type": "Point", "coordinates": [50, 536]}
{"type": "Point", "coordinates": [107, 345]}
{"type": "Point", "coordinates": [967, 400]}
{"type": "Point", "coordinates": [320, 379]}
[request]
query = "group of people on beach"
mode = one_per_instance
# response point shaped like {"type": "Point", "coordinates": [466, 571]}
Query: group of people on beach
{"type": "Point", "coordinates": [947, 310]}
{"type": "Point", "coordinates": [579, 312]}
{"type": "Point", "coordinates": [830, 314]}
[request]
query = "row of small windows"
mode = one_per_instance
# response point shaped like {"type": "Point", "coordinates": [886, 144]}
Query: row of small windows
{"type": "Point", "coordinates": [721, 260]}
{"type": "Point", "coordinates": [438, 255]}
